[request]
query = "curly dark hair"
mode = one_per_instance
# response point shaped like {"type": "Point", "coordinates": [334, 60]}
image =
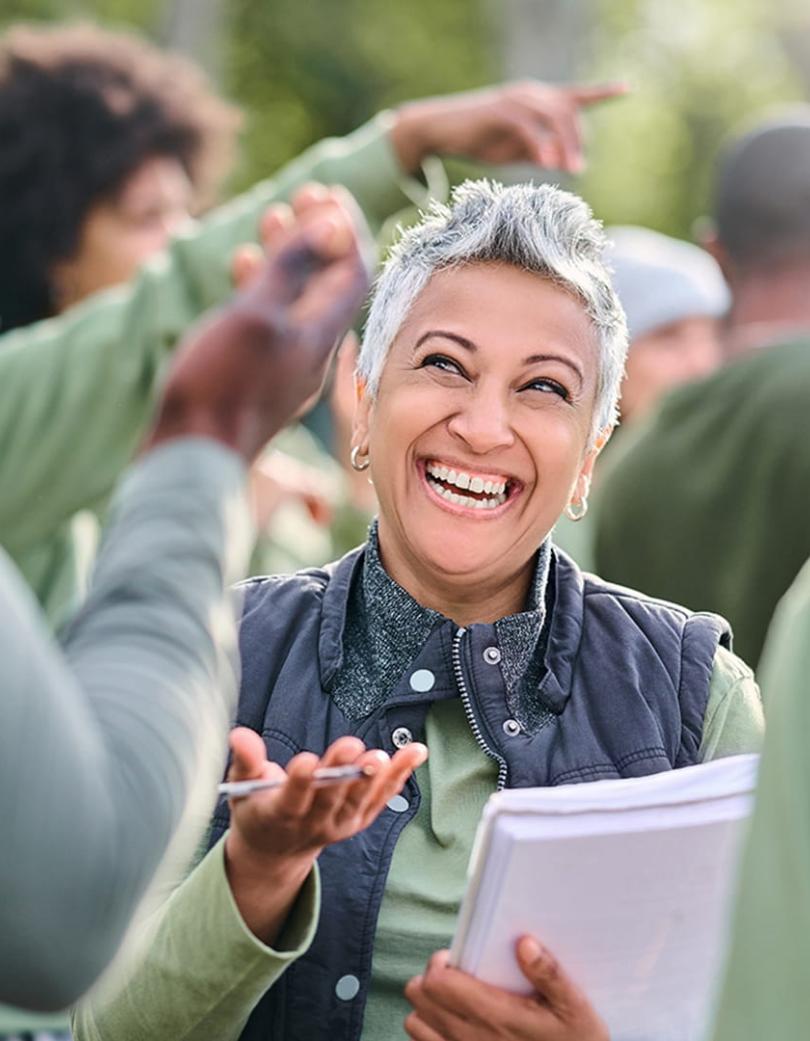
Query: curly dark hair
{"type": "Point", "coordinates": [81, 108]}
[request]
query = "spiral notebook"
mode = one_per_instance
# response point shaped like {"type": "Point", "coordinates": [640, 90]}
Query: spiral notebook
{"type": "Point", "coordinates": [629, 882]}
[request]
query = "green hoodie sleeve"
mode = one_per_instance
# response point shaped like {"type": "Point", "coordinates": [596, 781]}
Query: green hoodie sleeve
{"type": "Point", "coordinates": [112, 741]}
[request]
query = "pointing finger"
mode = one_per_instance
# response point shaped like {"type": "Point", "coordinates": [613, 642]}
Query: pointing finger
{"type": "Point", "coordinates": [589, 95]}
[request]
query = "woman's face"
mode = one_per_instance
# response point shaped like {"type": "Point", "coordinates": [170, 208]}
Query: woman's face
{"type": "Point", "coordinates": [478, 435]}
{"type": "Point", "coordinates": [120, 234]}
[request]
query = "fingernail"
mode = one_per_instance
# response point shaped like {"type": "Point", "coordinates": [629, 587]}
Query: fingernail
{"type": "Point", "coordinates": [530, 948]}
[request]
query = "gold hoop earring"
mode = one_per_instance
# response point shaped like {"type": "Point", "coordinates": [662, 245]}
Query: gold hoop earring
{"type": "Point", "coordinates": [576, 511]}
{"type": "Point", "coordinates": [354, 460]}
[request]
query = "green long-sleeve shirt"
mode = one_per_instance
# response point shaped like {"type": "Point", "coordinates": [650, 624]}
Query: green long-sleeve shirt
{"type": "Point", "coordinates": [766, 994]}
{"type": "Point", "coordinates": [205, 972]}
{"type": "Point", "coordinates": [704, 504]}
{"type": "Point", "coordinates": [109, 742]}
{"type": "Point", "coordinates": [77, 391]}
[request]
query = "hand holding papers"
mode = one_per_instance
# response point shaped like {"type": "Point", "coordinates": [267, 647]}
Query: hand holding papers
{"type": "Point", "coordinates": [628, 883]}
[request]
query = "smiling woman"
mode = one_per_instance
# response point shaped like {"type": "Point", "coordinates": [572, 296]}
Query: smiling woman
{"type": "Point", "coordinates": [487, 384]}
{"type": "Point", "coordinates": [477, 398]}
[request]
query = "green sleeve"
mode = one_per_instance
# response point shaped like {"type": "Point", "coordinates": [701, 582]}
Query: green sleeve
{"type": "Point", "coordinates": [76, 392]}
{"type": "Point", "coordinates": [734, 723]}
{"type": "Point", "coordinates": [110, 745]}
{"type": "Point", "coordinates": [204, 972]}
{"type": "Point", "coordinates": [765, 993]}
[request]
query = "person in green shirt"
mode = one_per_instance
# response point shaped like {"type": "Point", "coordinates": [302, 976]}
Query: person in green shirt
{"type": "Point", "coordinates": [705, 503]}
{"type": "Point", "coordinates": [674, 295]}
{"type": "Point", "coordinates": [765, 993]}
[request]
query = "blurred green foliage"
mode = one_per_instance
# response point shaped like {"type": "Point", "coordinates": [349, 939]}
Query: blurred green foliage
{"type": "Point", "coordinates": [699, 69]}
{"type": "Point", "coordinates": [318, 67]}
{"type": "Point", "coordinates": [309, 68]}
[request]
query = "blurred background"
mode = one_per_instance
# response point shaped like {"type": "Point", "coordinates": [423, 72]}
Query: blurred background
{"type": "Point", "coordinates": [304, 69]}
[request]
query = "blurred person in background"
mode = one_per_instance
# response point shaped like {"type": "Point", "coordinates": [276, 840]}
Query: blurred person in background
{"type": "Point", "coordinates": [708, 505]}
{"type": "Point", "coordinates": [674, 296]}
{"type": "Point", "coordinates": [109, 742]}
{"type": "Point", "coordinates": [765, 993]}
{"type": "Point", "coordinates": [488, 381]}
{"type": "Point", "coordinates": [109, 146]}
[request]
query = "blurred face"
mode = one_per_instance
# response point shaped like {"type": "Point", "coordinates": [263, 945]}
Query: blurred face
{"type": "Point", "coordinates": [122, 233]}
{"type": "Point", "coordinates": [666, 357]}
{"type": "Point", "coordinates": [478, 436]}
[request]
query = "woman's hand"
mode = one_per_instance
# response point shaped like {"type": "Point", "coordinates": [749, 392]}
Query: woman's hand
{"type": "Point", "coordinates": [276, 835]}
{"type": "Point", "coordinates": [450, 1005]}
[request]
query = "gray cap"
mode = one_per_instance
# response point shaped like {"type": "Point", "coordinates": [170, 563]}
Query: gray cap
{"type": "Point", "coordinates": [661, 280]}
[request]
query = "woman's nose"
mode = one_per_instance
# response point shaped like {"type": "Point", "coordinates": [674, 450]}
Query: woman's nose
{"type": "Point", "coordinates": [483, 423]}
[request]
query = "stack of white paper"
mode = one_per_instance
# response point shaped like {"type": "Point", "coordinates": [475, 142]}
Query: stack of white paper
{"type": "Point", "coordinates": [628, 882]}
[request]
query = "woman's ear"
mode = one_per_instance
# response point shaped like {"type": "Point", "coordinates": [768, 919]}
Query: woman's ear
{"type": "Point", "coordinates": [602, 439]}
{"type": "Point", "coordinates": [593, 452]}
{"type": "Point", "coordinates": [362, 414]}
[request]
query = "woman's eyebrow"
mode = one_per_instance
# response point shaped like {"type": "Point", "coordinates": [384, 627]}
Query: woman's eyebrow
{"type": "Point", "coordinates": [462, 341]}
{"type": "Point", "coordinates": [561, 358]}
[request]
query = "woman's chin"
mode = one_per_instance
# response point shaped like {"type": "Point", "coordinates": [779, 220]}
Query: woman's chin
{"type": "Point", "coordinates": [455, 554]}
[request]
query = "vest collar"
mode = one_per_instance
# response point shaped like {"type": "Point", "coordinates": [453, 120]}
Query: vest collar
{"type": "Point", "coordinates": [558, 586]}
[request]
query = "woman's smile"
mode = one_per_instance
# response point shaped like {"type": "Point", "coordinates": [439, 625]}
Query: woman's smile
{"type": "Point", "coordinates": [465, 491]}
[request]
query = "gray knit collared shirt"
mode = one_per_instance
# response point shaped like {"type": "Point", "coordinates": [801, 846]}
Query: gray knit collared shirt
{"type": "Point", "coordinates": [386, 628]}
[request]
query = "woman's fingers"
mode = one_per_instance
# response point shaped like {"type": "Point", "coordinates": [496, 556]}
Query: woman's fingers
{"type": "Point", "coordinates": [295, 798]}
{"type": "Point", "coordinates": [329, 798]}
{"type": "Point", "coordinates": [551, 982]}
{"type": "Point", "coordinates": [391, 780]}
{"type": "Point", "coordinates": [418, 1030]}
{"type": "Point", "coordinates": [248, 755]}
{"type": "Point", "coordinates": [444, 1012]}
{"type": "Point", "coordinates": [325, 812]}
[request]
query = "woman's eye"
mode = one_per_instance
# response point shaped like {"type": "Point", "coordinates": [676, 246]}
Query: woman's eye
{"type": "Point", "coordinates": [441, 361]}
{"type": "Point", "coordinates": [548, 386]}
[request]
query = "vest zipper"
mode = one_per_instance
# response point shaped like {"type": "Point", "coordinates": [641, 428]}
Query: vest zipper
{"type": "Point", "coordinates": [470, 712]}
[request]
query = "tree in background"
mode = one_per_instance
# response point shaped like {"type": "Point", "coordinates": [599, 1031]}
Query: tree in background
{"type": "Point", "coordinates": [698, 68]}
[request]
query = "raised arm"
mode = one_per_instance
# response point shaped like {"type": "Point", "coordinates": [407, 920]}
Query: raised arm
{"type": "Point", "coordinates": [100, 746]}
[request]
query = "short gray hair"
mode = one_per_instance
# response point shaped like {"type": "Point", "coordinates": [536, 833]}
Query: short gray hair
{"type": "Point", "coordinates": [539, 228]}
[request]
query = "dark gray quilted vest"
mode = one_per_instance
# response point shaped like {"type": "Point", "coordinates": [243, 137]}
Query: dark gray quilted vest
{"type": "Point", "coordinates": [626, 679]}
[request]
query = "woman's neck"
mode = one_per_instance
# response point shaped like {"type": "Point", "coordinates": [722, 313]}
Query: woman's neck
{"type": "Point", "coordinates": [464, 599]}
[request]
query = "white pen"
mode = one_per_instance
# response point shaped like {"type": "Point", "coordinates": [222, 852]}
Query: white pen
{"type": "Point", "coordinates": [326, 775]}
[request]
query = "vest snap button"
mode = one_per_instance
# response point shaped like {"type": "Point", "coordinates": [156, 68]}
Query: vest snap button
{"type": "Point", "coordinates": [422, 681]}
{"type": "Point", "coordinates": [398, 803]}
{"type": "Point", "coordinates": [347, 987]}
{"type": "Point", "coordinates": [492, 655]}
{"type": "Point", "coordinates": [401, 737]}
{"type": "Point", "coordinates": [511, 727]}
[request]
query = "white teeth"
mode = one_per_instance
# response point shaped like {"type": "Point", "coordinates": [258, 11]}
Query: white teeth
{"type": "Point", "coordinates": [467, 500]}
{"type": "Point", "coordinates": [464, 481]}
